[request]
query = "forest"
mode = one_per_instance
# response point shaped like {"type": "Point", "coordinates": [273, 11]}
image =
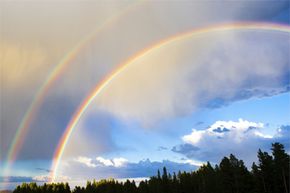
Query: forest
{"type": "Point", "coordinates": [269, 175]}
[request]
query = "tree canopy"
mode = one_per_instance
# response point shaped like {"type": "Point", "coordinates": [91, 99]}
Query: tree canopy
{"type": "Point", "coordinates": [269, 175]}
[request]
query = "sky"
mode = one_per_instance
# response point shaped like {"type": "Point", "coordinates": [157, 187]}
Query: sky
{"type": "Point", "coordinates": [199, 80]}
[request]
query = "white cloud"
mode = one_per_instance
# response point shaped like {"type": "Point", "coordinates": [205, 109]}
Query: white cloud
{"type": "Point", "coordinates": [242, 138]}
{"type": "Point", "coordinates": [240, 126]}
{"type": "Point", "coordinates": [259, 134]}
{"type": "Point", "coordinates": [194, 137]}
{"type": "Point", "coordinates": [100, 161]}
{"type": "Point", "coordinates": [236, 131]}
{"type": "Point", "coordinates": [105, 162]}
{"type": "Point", "coordinates": [115, 162]}
{"type": "Point", "coordinates": [193, 162]}
{"type": "Point", "coordinates": [86, 161]}
{"type": "Point", "coordinates": [119, 162]}
{"type": "Point", "coordinates": [47, 178]}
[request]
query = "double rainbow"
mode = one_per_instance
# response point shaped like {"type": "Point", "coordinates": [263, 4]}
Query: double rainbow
{"type": "Point", "coordinates": [110, 77]}
{"type": "Point", "coordinates": [54, 75]}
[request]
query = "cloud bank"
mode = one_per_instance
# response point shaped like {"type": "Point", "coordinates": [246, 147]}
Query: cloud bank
{"type": "Point", "coordinates": [242, 138]}
{"type": "Point", "coordinates": [205, 71]}
{"type": "Point", "coordinates": [100, 167]}
{"type": "Point", "coordinates": [100, 161]}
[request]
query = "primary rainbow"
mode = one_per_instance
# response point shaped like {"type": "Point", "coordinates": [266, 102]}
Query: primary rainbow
{"type": "Point", "coordinates": [109, 78]}
{"type": "Point", "coordinates": [60, 68]}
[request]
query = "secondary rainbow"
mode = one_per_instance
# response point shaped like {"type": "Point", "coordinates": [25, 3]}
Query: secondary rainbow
{"type": "Point", "coordinates": [55, 74]}
{"type": "Point", "coordinates": [107, 80]}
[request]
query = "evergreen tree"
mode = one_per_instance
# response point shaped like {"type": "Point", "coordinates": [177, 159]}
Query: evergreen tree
{"type": "Point", "coordinates": [257, 179]}
{"type": "Point", "coordinates": [281, 165]}
{"type": "Point", "coordinates": [165, 181]}
{"type": "Point", "coordinates": [266, 167]}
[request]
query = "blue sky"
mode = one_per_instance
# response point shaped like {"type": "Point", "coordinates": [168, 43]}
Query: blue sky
{"type": "Point", "coordinates": [183, 104]}
{"type": "Point", "coordinates": [136, 142]}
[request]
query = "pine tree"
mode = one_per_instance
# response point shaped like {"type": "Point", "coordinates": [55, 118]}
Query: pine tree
{"type": "Point", "coordinates": [266, 166]}
{"type": "Point", "coordinates": [281, 165]}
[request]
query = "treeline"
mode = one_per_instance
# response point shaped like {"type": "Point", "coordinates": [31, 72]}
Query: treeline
{"type": "Point", "coordinates": [269, 175]}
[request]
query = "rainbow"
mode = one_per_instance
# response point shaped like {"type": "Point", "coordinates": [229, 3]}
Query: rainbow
{"type": "Point", "coordinates": [109, 78]}
{"type": "Point", "coordinates": [54, 75]}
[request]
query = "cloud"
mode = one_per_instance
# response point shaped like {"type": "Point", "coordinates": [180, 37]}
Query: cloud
{"type": "Point", "coordinates": [100, 161]}
{"type": "Point", "coordinates": [105, 162]}
{"type": "Point", "coordinates": [192, 162]}
{"type": "Point", "coordinates": [33, 48]}
{"type": "Point", "coordinates": [236, 131]}
{"type": "Point", "coordinates": [122, 168]}
{"type": "Point", "coordinates": [115, 162]}
{"type": "Point", "coordinates": [47, 178]}
{"type": "Point", "coordinates": [86, 161]}
{"type": "Point", "coordinates": [185, 149]}
{"type": "Point", "coordinates": [208, 71]}
{"type": "Point", "coordinates": [282, 136]}
{"type": "Point", "coordinates": [119, 162]}
{"type": "Point", "coordinates": [21, 179]}
{"type": "Point", "coordinates": [242, 138]}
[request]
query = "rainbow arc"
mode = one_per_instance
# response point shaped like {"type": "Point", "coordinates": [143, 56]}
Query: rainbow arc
{"type": "Point", "coordinates": [143, 53]}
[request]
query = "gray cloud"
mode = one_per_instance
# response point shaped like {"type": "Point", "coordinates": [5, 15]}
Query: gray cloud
{"type": "Point", "coordinates": [189, 75]}
{"type": "Point", "coordinates": [221, 130]}
{"type": "Point", "coordinates": [186, 149]}
{"type": "Point", "coordinates": [34, 47]}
